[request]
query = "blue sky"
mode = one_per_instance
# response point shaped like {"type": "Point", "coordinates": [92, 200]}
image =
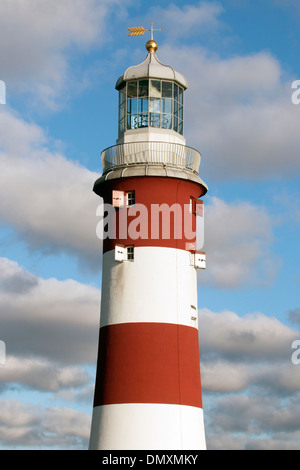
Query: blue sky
{"type": "Point", "coordinates": [60, 61]}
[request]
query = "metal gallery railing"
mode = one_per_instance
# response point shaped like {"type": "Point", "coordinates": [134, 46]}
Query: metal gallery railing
{"type": "Point", "coordinates": [159, 153]}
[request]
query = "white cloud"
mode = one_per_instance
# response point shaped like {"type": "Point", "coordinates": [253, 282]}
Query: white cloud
{"type": "Point", "coordinates": [239, 114]}
{"type": "Point", "coordinates": [49, 320]}
{"type": "Point", "coordinates": [51, 331]}
{"type": "Point", "coordinates": [24, 425]}
{"type": "Point", "coordinates": [41, 374]}
{"type": "Point", "coordinates": [254, 337]}
{"type": "Point", "coordinates": [250, 387]}
{"type": "Point", "coordinates": [37, 37]}
{"type": "Point", "coordinates": [47, 199]}
{"type": "Point", "coordinates": [238, 237]}
{"type": "Point", "coordinates": [255, 423]}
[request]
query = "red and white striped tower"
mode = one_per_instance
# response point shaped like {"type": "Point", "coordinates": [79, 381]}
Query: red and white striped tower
{"type": "Point", "coordinates": [148, 388]}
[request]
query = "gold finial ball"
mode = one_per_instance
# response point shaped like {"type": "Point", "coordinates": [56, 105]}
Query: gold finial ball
{"type": "Point", "coordinates": [151, 45]}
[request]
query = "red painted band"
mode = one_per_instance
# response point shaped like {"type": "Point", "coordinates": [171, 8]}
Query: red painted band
{"type": "Point", "coordinates": [152, 193]}
{"type": "Point", "coordinates": [148, 363]}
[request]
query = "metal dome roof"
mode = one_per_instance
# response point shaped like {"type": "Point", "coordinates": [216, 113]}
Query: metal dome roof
{"type": "Point", "coordinates": [151, 67]}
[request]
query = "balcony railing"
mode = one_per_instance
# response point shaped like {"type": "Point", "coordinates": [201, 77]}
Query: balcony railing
{"type": "Point", "coordinates": [154, 153]}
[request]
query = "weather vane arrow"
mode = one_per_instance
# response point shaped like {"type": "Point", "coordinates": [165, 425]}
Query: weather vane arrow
{"type": "Point", "coordinates": [139, 30]}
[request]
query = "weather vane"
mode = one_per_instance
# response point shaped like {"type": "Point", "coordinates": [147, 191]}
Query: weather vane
{"type": "Point", "coordinates": [139, 30]}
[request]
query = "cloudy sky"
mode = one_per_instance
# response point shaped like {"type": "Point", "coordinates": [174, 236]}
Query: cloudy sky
{"type": "Point", "coordinates": [60, 60]}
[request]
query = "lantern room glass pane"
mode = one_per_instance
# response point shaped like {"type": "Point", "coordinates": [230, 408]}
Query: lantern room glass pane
{"type": "Point", "coordinates": [166, 121]}
{"type": "Point", "coordinates": [181, 112]}
{"type": "Point", "coordinates": [175, 111]}
{"type": "Point", "coordinates": [166, 105]}
{"type": "Point", "coordinates": [122, 95]}
{"type": "Point", "coordinates": [175, 124]}
{"type": "Point", "coordinates": [122, 125]}
{"type": "Point", "coordinates": [154, 119]}
{"type": "Point", "coordinates": [180, 127]}
{"type": "Point", "coordinates": [143, 105]}
{"type": "Point", "coordinates": [181, 96]}
{"type": "Point", "coordinates": [143, 120]}
{"type": "Point", "coordinates": [155, 88]}
{"type": "Point", "coordinates": [132, 89]}
{"type": "Point", "coordinates": [143, 88]}
{"type": "Point", "coordinates": [154, 105]}
{"type": "Point", "coordinates": [167, 88]}
{"type": "Point", "coordinates": [132, 106]}
{"type": "Point", "coordinates": [131, 121]}
{"type": "Point", "coordinates": [176, 96]}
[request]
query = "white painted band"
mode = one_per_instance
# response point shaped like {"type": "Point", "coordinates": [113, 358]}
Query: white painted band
{"type": "Point", "coordinates": [147, 426]}
{"type": "Point", "coordinates": [159, 285]}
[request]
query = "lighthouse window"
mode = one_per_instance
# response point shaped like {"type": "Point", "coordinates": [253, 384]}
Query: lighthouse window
{"type": "Point", "coordinates": [131, 198]}
{"type": "Point", "coordinates": [166, 121]}
{"type": "Point", "coordinates": [143, 88]}
{"type": "Point", "coordinates": [132, 106]}
{"type": "Point", "coordinates": [130, 253]}
{"type": "Point", "coordinates": [155, 88]}
{"type": "Point", "coordinates": [122, 107]}
{"type": "Point", "coordinates": [166, 105]}
{"type": "Point", "coordinates": [151, 103]}
{"type": "Point", "coordinates": [154, 120]}
{"type": "Point", "coordinates": [167, 89]}
{"type": "Point", "coordinates": [143, 105]}
{"type": "Point", "coordinates": [180, 96]}
{"type": "Point", "coordinates": [132, 89]}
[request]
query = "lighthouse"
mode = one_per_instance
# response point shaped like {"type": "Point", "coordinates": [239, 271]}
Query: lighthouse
{"type": "Point", "coordinates": [148, 385]}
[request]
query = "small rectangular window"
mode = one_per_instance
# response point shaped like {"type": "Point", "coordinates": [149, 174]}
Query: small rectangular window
{"type": "Point", "coordinates": [130, 253]}
{"type": "Point", "coordinates": [124, 253]}
{"type": "Point", "coordinates": [130, 198]}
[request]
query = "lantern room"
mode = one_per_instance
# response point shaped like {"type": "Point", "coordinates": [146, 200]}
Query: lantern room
{"type": "Point", "coordinates": [151, 100]}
